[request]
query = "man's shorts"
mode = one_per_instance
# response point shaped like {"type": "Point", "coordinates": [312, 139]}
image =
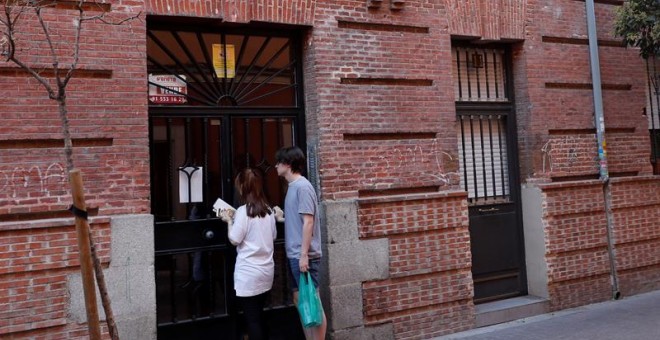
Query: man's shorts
{"type": "Point", "coordinates": [294, 272]}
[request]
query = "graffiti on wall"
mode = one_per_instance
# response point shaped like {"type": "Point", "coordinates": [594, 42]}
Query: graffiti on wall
{"type": "Point", "coordinates": [547, 156]}
{"type": "Point", "coordinates": [19, 182]}
{"type": "Point", "coordinates": [408, 159]}
{"type": "Point", "coordinates": [568, 154]}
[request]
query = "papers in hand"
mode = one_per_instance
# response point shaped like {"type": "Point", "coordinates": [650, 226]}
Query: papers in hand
{"type": "Point", "coordinates": [220, 205]}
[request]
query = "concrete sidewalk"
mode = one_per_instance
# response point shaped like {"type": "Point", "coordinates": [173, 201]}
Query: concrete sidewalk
{"type": "Point", "coordinates": [631, 318]}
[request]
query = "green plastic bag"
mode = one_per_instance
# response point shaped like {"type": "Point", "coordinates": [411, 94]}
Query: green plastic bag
{"type": "Point", "coordinates": [309, 303]}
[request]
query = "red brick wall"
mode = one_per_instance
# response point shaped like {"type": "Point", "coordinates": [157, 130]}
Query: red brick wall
{"type": "Point", "coordinates": [429, 289]}
{"type": "Point", "coordinates": [37, 258]}
{"type": "Point", "coordinates": [558, 143]}
{"type": "Point", "coordinates": [384, 103]}
{"type": "Point", "coordinates": [636, 210]}
{"type": "Point", "coordinates": [558, 122]}
{"type": "Point", "coordinates": [380, 109]}
{"type": "Point", "coordinates": [576, 239]}
{"type": "Point", "coordinates": [68, 332]}
{"type": "Point", "coordinates": [576, 244]}
{"type": "Point", "coordinates": [296, 12]}
{"type": "Point", "coordinates": [487, 19]}
{"type": "Point", "coordinates": [108, 122]}
{"type": "Point", "coordinates": [108, 118]}
{"type": "Point", "coordinates": [385, 91]}
{"type": "Point", "coordinates": [383, 82]}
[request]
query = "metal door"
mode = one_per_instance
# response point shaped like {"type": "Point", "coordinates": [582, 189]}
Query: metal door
{"type": "Point", "coordinates": [489, 171]}
{"type": "Point", "coordinates": [209, 118]}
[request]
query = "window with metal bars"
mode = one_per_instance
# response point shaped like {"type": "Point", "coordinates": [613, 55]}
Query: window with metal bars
{"type": "Point", "coordinates": [479, 74]}
{"type": "Point", "coordinates": [482, 106]}
{"type": "Point", "coordinates": [483, 154]}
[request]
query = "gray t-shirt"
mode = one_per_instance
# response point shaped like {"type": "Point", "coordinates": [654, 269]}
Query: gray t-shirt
{"type": "Point", "coordinates": [301, 199]}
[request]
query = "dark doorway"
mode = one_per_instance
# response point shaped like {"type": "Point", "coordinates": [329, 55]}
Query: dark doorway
{"type": "Point", "coordinates": [221, 99]}
{"type": "Point", "coordinates": [489, 170]}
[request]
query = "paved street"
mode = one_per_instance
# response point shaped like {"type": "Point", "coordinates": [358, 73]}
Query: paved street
{"type": "Point", "coordinates": [632, 318]}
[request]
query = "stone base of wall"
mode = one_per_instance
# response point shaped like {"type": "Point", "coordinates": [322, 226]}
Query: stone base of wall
{"type": "Point", "coordinates": [129, 277]}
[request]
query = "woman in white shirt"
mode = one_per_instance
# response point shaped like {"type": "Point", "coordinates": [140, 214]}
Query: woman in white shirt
{"type": "Point", "coordinates": [253, 232]}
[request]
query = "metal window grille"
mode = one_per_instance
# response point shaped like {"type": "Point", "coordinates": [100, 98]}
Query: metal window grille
{"type": "Point", "coordinates": [482, 105]}
{"type": "Point", "coordinates": [220, 69]}
{"type": "Point", "coordinates": [479, 75]}
{"type": "Point", "coordinates": [483, 157]}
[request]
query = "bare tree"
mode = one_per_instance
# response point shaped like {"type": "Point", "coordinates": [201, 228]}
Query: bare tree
{"type": "Point", "coordinates": [63, 57]}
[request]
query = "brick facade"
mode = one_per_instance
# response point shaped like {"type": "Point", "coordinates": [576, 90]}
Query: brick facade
{"type": "Point", "coordinates": [576, 243]}
{"type": "Point", "coordinates": [108, 112]}
{"type": "Point", "coordinates": [36, 260]}
{"type": "Point", "coordinates": [380, 111]}
{"type": "Point", "coordinates": [635, 207]}
{"type": "Point", "coordinates": [429, 264]}
{"type": "Point", "coordinates": [562, 149]}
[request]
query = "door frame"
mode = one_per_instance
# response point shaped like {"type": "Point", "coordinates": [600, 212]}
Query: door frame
{"type": "Point", "coordinates": [507, 109]}
{"type": "Point", "coordinates": [225, 114]}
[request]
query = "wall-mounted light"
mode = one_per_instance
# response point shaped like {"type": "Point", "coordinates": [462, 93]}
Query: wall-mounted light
{"type": "Point", "coordinates": [477, 61]}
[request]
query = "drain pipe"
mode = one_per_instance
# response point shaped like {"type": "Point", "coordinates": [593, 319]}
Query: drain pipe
{"type": "Point", "coordinates": [599, 121]}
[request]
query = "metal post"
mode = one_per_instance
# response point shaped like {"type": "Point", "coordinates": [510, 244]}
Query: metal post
{"type": "Point", "coordinates": [600, 136]}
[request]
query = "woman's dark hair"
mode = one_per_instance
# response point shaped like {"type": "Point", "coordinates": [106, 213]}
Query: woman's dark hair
{"type": "Point", "coordinates": [293, 157]}
{"type": "Point", "coordinates": [249, 184]}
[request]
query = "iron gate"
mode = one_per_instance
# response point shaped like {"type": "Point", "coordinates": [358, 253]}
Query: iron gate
{"type": "Point", "coordinates": [489, 171]}
{"type": "Point", "coordinates": [220, 100]}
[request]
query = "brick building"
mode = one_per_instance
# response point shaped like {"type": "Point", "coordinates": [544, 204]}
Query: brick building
{"type": "Point", "coordinates": [452, 144]}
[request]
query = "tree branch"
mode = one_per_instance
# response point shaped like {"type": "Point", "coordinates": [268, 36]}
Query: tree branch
{"type": "Point", "coordinates": [44, 27]}
{"type": "Point", "coordinates": [9, 21]}
{"type": "Point", "coordinates": [37, 76]}
{"type": "Point", "coordinates": [101, 18]}
{"type": "Point", "coordinates": [76, 45]}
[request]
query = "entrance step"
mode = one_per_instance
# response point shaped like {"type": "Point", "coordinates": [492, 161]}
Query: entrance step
{"type": "Point", "coordinates": [492, 313]}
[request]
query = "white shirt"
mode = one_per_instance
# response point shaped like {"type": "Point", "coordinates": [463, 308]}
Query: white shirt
{"type": "Point", "coordinates": [253, 238]}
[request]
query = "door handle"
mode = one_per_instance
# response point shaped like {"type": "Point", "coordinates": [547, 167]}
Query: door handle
{"type": "Point", "coordinates": [489, 209]}
{"type": "Point", "coordinates": [209, 234]}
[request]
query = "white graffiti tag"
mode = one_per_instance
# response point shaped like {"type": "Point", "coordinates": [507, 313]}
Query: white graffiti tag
{"type": "Point", "coordinates": [19, 181]}
{"type": "Point", "coordinates": [403, 159]}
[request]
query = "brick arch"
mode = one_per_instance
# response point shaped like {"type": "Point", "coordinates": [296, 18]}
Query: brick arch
{"type": "Point", "coordinates": [487, 19]}
{"type": "Point", "coordinates": [295, 12]}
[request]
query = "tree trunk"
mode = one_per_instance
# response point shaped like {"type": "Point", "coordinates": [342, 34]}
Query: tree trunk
{"type": "Point", "coordinates": [98, 269]}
